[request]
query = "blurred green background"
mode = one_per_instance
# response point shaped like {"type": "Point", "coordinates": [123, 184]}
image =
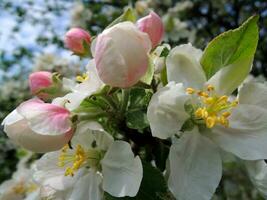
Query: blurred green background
{"type": "Point", "coordinates": [31, 39]}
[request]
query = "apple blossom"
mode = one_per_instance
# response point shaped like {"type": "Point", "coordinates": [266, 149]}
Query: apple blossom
{"type": "Point", "coordinates": [38, 81]}
{"type": "Point", "coordinates": [153, 26]}
{"type": "Point", "coordinates": [39, 126]}
{"type": "Point", "coordinates": [121, 55]}
{"type": "Point", "coordinates": [78, 41]}
{"type": "Point", "coordinates": [205, 119]}
{"type": "Point", "coordinates": [88, 84]}
{"type": "Point", "coordinates": [91, 166]}
{"type": "Point", "coordinates": [20, 186]}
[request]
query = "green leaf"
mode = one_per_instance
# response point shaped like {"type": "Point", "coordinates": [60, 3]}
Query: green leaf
{"type": "Point", "coordinates": [153, 186]}
{"type": "Point", "coordinates": [165, 52]}
{"type": "Point", "coordinates": [128, 15]}
{"type": "Point", "coordinates": [139, 98]}
{"type": "Point", "coordinates": [137, 120]}
{"type": "Point", "coordinates": [148, 77]}
{"type": "Point", "coordinates": [231, 47]}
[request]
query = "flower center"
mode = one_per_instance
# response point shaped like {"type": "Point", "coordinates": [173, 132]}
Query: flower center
{"type": "Point", "coordinates": [23, 188]}
{"type": "Point", "coordinates": [82, 78]}
{"type": "Point", "coordinates": [213, 109]}
{"type": "Point", "coordinates": [78, 158]}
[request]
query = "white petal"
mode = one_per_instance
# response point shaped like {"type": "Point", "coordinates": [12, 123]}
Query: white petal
{"type": "Point", "coordinates": [68, 84]}
{"type": "Point", "coordinates": [195, 167]}
{"type": "Point", "coordinates": [17, 129]}
{"type": "Point", "coordinates": [227, 79]}
{"type": "Point", "coordinates": [166, 113]}
{"type": "Point", "coordinates": [48, 173]}
{"type": "Point", "coordinates": [247, 135]}
{"type": "Point", "coordinates": [45, 118]}
{"type": "Point", "coordinates": [71, 101]}
{"type": "Point", "coordinates": [89, 132]}
{"type": "Point", "coordinates": [115, 62]}
{"type": "Point", "coordinates": [87, 188]}
{"type": "Point", "coordinates": [257, 171]}
{"type": "Point", "coordinates": [183, 66]}
{"type": "Point", "coordinates": [122, 171]}
{"type": "Point", "coordinates": [46, 192]}
{"type": "Point", "coordinates": [253, 93]}
{"type": "Point", "coordinates": [35, 195]}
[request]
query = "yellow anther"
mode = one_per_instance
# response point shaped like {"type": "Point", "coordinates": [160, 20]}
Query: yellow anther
{"type": "Point", "coordinates": [213, 109]}
{"type": "Point", "coordinates": [65, 148]}
{"type": "Point", "coordinates": [210, 121]}
{"type": "Point", "coordinates": [235, 103]}
{"type": "Point", "coordinates": [190, 90]}
{"type": "Point", "coordinates": [198, 113]}
{"type": "Point", "coordinates": [202, 94]}
{"type": "Point", "coordinates": [82, 78]}
{"type": "Point", "coordinates": [19, 188]}
{"type": "Point", "coordinates": [69, 172]}
{"type": "Point", "coordinates": [226, 114]}
{"type": "Point", "coordinates": [210, 88]}
{"type": "Point", "coordinates": [78, 158]}
{"type": "Point", "coordinates": [224, 121]}
{"type": "Point", "coordinates": [201, 113]}
{"type": "Point", "coordinates": [209, 100]}
{"type": "Point", "coordinates": [223, 99]}
{"type": "Point", "coordinates": [31, 188]}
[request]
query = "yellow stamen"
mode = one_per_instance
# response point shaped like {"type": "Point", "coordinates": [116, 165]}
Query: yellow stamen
{"type": "Point", "coordinates": [82, 78]}
{"type": "Point", "coordinates": [31, 188]}
{"type": "Point", "coordinates": [190, 91]}
{"type": "Point", "coordinates": [209, 100]}
{"type": "Point", "coordinates": [201, 113]}
{"type": "Point", "coordinates": [202, 94]}
{"type": "Point", "coordinates": [210, 88]}
{"type": "Point", "coordinates": [226, 114]}
{"type": "Point", "coordinates": [19, 188]}
{"type": "Point", "coordinates": [223, 99]}
{"type": "Point", "coordinates": [213, 109]}
{"type": "Point", "coordinates": [210, 121]}
{"type": "Point", "coordinates": [235, 103]}
{"type": "Point", "coordinates": [79, 158]}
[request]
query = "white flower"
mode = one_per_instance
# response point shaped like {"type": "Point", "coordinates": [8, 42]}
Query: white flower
{"type": "Point", "coordinates": [91, 166]}
{"type": "Point", "coordinates": [204, 117]}
{"type": "Point", "coordinates": [89, 84]}
{"type": "Point", "coordinates": [21, 186]}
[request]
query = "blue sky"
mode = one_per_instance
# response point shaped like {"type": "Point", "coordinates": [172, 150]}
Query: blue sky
{"type": "Point", "coordinates": [31, 28]}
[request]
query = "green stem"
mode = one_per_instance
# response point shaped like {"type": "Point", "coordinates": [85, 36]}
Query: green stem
{"type": "Point", "coordinates": [93, 116]}
{"type": "Point", "coordinates": [109, 101]}
{"type": "Point", "coordinates": [124, 99]}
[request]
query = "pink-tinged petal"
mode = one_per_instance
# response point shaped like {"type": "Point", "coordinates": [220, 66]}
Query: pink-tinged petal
{"type": "Point", "coordinates": [153, 26]}
{"type": "Point", "coordinates": [44, 118]}
{"type": "Point", "coordinates": [75, 39]}
{"type": "Point", "coordinates": [18, 130]}
{"type": "Point", "coordinates": [40, 80]}
{"type": "Point", "coordinates": [122, 64]}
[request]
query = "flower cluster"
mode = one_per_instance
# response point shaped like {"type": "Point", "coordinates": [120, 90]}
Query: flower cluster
{"type": "Point", "coordinates": [143, 113]}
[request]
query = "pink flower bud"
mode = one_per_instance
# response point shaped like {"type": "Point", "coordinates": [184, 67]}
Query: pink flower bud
{"type": "Point", "coordinates": [75, 39]}
{"type": "Point", "coordinates": [153, 26]}
{"type": "Point", "coordinates": [121, 55]}
{"type": "Point", "coordinates": [38, 126]}
{"type": "Point", "coordinates": [40, 80]}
